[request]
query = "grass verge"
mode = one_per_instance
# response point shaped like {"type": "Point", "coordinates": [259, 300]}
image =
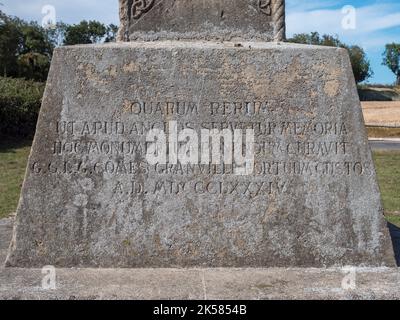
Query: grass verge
{"type": "Point", "coordinates": [388, 169]}
{"type": "Point", "coordinates": [13, 157]}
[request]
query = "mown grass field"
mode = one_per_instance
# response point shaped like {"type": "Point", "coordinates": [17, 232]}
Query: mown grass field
{"type": "Point", "coordinates": [13, 158]}
{"type": "Point", "coordinates": [388, 169]}
{"type": "Point", "coordinates": [14, 155]}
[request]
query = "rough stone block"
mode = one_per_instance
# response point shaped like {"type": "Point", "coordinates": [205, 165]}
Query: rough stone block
{"type": "Point", "coordinates": [202, 20]}
{"type": "Point", "coordinates": [91, 199]}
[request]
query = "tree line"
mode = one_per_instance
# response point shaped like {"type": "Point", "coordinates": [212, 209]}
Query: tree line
{"type": "Point", "coordinates": [361, 65]}
{"type": "Point", "coordinates": [26, 48]}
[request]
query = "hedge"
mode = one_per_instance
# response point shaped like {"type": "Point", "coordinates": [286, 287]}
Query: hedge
{"type": "Point", "coordinates": [20, 102]}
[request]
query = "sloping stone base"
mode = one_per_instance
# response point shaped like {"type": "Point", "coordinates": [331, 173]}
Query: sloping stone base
{"type": "Point", "coordinates": [312, 200]}
{"type": "Point", "coordinates": [167, 284]}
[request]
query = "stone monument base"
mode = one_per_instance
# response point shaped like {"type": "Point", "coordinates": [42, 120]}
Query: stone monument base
{"type": "Point", "coordinates": [196, 284]}
{"type": "Point", "coordinates": [92, 199]}
{"type": "Point", "coordinates": [200, 284]}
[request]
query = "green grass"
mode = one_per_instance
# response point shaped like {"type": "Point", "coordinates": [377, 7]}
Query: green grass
{"type": "Point", "coordinates": [13, 158]}
{"type": "Point", "coordinates": [394, 219]}
{"type": "Point", "coordinates": [388, 169]}
{"type": "Point", "coordinates": [14, 155]}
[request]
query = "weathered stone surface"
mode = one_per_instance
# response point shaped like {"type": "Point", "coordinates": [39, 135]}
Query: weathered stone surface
{"type": "Point", "coordinates": [6, 227]}
{"type": "Point", "coordinates": [202, 20]}
{"type": "Point", "coordinates": [312, 201]}
{"type": "Point", "coordinates": [218, 284]}
{"type": "Point", "coordinates": [199, 284]}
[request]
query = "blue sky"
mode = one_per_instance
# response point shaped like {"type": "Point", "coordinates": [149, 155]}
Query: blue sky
{"type": "Point", "coordinates": [377, 22]}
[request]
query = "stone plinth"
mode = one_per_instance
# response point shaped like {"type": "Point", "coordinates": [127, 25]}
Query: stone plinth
{"type": "Point", "coordinates": [202, 20]}
{"type": "Point", "coordinates": [91, 198]}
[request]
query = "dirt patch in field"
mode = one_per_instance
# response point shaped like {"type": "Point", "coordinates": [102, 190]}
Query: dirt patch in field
{"type": "Point", "coordinates": [385, 113]}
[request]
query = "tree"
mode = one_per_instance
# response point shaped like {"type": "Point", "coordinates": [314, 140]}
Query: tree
{"type": "Point", "coordinates": [315, 39]}
{"type": "Point", "coordinates": [359, 61]}
{"type": "Point", "coordinates": [10, 43]}
{"type": "Point", "coordinates": [33, 65]}
{"type": "Point", "coordinates": [112, 31]}
{"type": "Point", "coordinates": [35, 40]}
{"type": "Point", "coordinates": [26, 48]}
{"type": "Point", "coordinates": [392, 59]}
{"type": "Point", "coordinates": [56, 34]}
{"type": "Point", "coordinates": [85, 33]}
{"type": "Point", "coordinates": [360, 64]}
{"type": "Point", "coordinates": [35, 55]}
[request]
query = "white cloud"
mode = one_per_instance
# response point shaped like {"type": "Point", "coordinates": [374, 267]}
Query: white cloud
{"type": "Point", "coordinates": [71, 11]}
{"type": "Point", "coordinates": [295, 5]}
{"type": "Point", "coordinates": [377, 25]}
{"type": "Point", "coordinates": [370, 21]}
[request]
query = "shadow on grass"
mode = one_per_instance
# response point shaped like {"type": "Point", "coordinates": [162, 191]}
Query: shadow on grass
{"type": "Point", "coordinates": [9, 144]}
{"type": "Point", "coordinates": [395, 234]}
